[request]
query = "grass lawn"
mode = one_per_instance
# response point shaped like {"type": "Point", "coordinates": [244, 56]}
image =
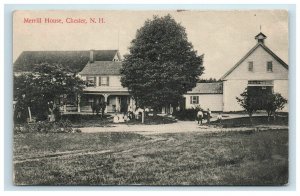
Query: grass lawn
{"type": "Point", "coordinates": [232, 158]}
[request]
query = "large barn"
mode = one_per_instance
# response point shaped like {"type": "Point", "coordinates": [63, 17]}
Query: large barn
{"type": "Point", "coordinates": [260, 69]}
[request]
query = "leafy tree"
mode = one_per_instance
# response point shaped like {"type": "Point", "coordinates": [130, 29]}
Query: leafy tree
{"type": "Point", "coordinates": [252, 101]}
{"type": "Point", "coordinates": [162, 64]}
{"type": "Point", "coordinates": [40, 88]}
{"type": "Point", "coordinates": [249, 103]}
{"type": "Point", "coordinates": [273, 103]}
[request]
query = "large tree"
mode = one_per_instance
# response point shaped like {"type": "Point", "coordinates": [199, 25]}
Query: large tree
{"type": "Point", "coordinates": [40, 88]}
{"type": "Point", "coordinates": [162, 64]}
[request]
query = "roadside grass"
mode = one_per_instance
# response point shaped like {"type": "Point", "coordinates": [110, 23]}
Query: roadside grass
{"type": "Point", "coordinates": [87, 120]}
{"type": "Point", "coordinates": [256, 120]}
{"type": "Point", "coordinates": [232, 158]}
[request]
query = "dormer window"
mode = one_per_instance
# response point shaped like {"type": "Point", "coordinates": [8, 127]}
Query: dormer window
{"type": "Point", "coordinates": [250, 66]}
{"type": "Point", "coordinates": [269, 66]}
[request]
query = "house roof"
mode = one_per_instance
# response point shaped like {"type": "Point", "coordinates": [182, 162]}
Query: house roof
{"type": "Point", "coordinates": [72, 60]}
{"type": "Point", "coordinates": [249, 53]}
{"type": "Point", "coordinates": [207, 88]}
{"type": "Point", "coordinates": [102, 68]}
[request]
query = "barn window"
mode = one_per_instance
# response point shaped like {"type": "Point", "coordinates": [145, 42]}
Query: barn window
{"type": "Point", "coordinates": [194, 100]}
{"type": "Point", "coordinates": [250, 66]}
{"type": "Point", "coordinates": [269, 66]}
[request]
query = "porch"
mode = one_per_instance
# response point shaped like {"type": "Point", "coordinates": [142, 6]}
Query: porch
{"type": "Point", "coordinates": [115, 102]}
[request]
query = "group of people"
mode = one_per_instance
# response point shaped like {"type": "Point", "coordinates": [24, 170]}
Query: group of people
{"type": "Point", "coordinates": [131, 114]}
{"type": "Point", "coordinates": [206, 115]}
{"type": "Point", "coordinates": [120, 118]}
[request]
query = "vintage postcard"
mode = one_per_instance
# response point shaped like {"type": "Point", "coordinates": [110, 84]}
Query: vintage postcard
{"type": "Point", "coordinates": [169, 97]}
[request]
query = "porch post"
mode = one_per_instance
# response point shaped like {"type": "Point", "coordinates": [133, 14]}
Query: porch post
{"type": "Point", "coordinates": [97, 81]}
{"type": "Point", "coordinates": [78, 103]}
{"type": "Point", "coordinates": [105, 100]}
{"type": "Point", "coordinates": [117, 104]}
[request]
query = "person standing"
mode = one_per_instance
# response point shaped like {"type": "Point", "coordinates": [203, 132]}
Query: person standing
{"type": "Point", "coordinates": [219, 118]}
{"type": "Point", "coordinates": [208, 115]}
{"type": "Point", "coordinates": [116, 118]}
{"type": "Point", "coordinates": [200, 116]}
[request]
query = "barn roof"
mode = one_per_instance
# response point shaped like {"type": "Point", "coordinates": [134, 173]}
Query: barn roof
{"type": "Point", "coordinates": [102, 68]}
{"type": "Point", "coordinates": [259, 44]}
{"type": "Point", "coordinates": [207, 88]}
{"type": "Point", "coordinates": [72, 60]}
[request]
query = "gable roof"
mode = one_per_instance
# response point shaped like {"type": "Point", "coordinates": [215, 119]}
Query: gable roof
{"type": "Point", "coordinates": [249, 53]}
{"type": "Point", "coordinates": [207, 88]}
{"type": "Point", "coordinates": [72, 60]}
{"type": "Point", "coordinates": [102, 68]}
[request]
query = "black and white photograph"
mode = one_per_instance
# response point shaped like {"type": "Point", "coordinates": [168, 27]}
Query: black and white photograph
{"type": "Point", "coordinates": [151, 97]}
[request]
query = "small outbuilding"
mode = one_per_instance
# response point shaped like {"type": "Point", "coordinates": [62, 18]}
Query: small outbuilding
{"type": "Point", "coordinates": [205, 95]}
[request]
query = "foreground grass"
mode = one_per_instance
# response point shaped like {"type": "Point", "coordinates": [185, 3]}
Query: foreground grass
{"type": "Point", "coordinates": [234, 158]}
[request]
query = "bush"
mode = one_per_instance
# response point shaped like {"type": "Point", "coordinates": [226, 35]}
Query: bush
{"type": "Point", "coordinates": [187, 114]}
{"type": "Point", "coordinates": [79, 117]}
{"type": "Point", "coordinates": [46, 127]}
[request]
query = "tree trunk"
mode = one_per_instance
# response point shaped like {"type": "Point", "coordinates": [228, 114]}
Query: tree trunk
{"type": "Point", "coordinates": [250, 115]}
{"type": "Point", "coordinates": [29, 112]}
{"type": "Point", "coordinates": [143, 117]}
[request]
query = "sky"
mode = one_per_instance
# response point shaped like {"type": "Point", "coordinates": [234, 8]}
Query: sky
{"type": "Point", "coordinates": [224, 37]}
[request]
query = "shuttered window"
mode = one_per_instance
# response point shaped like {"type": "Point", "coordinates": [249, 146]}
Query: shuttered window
{"type": "Point", "coordinates": [103, 80]}
{"type": "Point", "coordinates": [194, 99]}
{"type": "Point", "coordinates": [269, 66]}
{"type": "Point", "coordinates": [91, 81]}
{"type": "Point", "coordinates": [250, 66]}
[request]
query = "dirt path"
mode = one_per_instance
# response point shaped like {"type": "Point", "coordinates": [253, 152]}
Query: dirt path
{"type": "Point", "coordinates": [180, 126]}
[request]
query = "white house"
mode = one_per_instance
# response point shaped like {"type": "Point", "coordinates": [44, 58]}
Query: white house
{"type": "Point", "coordinates": [104, 85]}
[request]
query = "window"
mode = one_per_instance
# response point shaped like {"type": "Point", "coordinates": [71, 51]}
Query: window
{"type": "Point", "coordinates": [104, 81]}
{"type": "Point", "coordinates": [250, 66]}
{"type": "Point", "coordinates": [194, 100]}
{"type": "Point", "coordinates": [91, 81]}
{"type": "Point", "coordinates": [269, 66]}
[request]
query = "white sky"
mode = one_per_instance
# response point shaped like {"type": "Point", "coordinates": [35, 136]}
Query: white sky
{"type": "Point", "coordinates": [223, 36]}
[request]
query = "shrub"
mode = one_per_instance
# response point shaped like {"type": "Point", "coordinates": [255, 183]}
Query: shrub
{"type": "Point", "coordinates": [79, 117]}
{"type": "Point", "coordinates": [46, 127]}
{"type": "Point", "coordinates": [187, 114]}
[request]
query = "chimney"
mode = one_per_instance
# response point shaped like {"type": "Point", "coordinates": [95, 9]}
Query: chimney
{"type": "Point", "coordinates": [92, 56]}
